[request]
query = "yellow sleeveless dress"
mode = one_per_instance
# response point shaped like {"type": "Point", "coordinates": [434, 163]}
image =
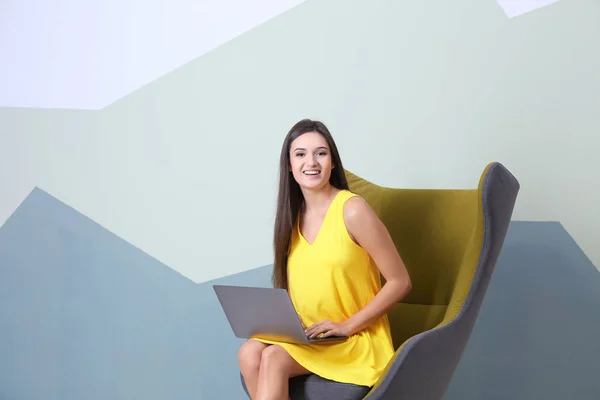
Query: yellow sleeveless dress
{"type": "Point", "coordinates": [334, 278]}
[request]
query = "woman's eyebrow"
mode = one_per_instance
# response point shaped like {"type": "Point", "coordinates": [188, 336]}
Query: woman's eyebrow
{"type": "Point", "coordinates": [318, 148]}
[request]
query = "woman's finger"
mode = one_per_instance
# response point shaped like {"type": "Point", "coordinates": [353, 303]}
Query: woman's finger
{"type": "Point", "coordinates": [314, 326]}
{"type": "Point", "coordinates": [313, 330]}
{"type": "Point", "coordinates": [319, 328]}
{"type": "Point", "coordinates": [330, 332]}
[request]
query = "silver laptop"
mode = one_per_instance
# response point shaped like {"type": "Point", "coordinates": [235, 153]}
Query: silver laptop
{"type": "Point", "coordinates": [265, 313]}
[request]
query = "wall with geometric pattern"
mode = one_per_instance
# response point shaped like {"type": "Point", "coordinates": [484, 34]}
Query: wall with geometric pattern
{"type": "Point", "coordinates": [143, 171]}
{"type": "Point", "coordinates": [416, 94]}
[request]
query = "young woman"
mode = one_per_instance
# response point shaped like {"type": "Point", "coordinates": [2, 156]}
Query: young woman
{"type": "Point", "coordinates": [330, 249]}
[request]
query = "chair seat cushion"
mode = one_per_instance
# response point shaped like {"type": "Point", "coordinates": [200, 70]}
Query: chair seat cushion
{"type": "Point", "coordinates": [313, 387]}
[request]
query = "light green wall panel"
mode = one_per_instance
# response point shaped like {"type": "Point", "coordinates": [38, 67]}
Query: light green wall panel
{"type": "Point", "coordinates": [420, 94]}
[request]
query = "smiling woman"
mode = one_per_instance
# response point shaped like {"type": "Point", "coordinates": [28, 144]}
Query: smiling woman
{"type": "Point", "coordinates": [331, 250]}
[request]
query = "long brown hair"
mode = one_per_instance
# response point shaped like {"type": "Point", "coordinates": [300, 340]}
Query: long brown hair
{"type": "Point", "coordinates": [290, 198]}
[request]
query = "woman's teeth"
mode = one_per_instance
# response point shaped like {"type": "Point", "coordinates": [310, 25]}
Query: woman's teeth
{"type": "Point", "coordinates": [311, 172]}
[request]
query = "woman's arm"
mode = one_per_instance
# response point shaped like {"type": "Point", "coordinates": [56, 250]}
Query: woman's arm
{"type": "Point", "coordinates": [370, 233]}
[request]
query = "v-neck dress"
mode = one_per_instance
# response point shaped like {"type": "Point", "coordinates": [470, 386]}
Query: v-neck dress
{"type": "Point", "coordinates": [333, 278]}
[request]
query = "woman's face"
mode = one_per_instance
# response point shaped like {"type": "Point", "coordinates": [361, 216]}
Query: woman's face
{"type": "Point", "coordinates": [310, 161]}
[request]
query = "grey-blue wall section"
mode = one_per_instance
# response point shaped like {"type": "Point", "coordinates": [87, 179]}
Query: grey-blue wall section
{"type": "Point", "coordinates": [84, 314]}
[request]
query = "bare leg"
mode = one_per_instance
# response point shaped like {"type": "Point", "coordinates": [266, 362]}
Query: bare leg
{"type": "Point", "coordinates": [249, 357]}
{"type": "Point", "coordinates": [276, 369]}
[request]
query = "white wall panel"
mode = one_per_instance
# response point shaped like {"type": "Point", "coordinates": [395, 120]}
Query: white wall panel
{"type": "Point", "coordinates": [87, 54]}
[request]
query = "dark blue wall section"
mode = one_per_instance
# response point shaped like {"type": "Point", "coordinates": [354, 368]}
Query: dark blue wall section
{"type": "Point", "coordinates": [85, 315]}
{"type": "Point", "coordinates": [538, 332]}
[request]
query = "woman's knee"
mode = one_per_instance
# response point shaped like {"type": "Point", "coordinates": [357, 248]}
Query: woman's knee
{"type": "Point", "coordinates": [276, 358]}
{"type": "Point", "coordinates": [250, 354]}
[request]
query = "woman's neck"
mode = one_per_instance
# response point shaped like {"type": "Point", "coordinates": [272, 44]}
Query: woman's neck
{"type": "Point", "coordinates": [318, 201]}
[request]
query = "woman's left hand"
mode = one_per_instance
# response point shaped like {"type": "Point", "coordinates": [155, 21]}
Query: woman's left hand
{"type": "Point", "coordinates": [328, 328]}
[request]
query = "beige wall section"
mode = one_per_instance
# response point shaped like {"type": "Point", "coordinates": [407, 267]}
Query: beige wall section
{"type": "Point", "coordinates": [420, 94]}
